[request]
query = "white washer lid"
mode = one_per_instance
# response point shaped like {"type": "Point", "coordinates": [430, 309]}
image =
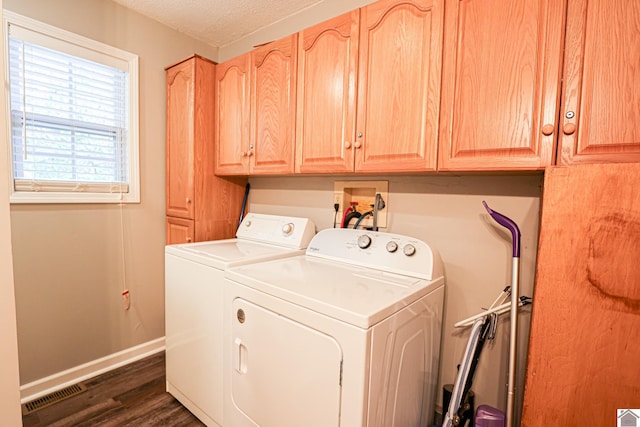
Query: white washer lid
{"type": "Point", "coordinates": [356, 295]}
{"type": "Point", "coordinates": [222, 254]}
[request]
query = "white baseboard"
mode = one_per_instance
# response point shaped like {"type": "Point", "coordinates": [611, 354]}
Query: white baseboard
{"type": "Point", "coordinates": [55, 382]}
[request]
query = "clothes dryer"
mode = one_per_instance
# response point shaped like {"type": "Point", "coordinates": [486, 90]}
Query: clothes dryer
{"type": "Point", "coordinates": [194, 276]}
{"type": "Point", "coordinates": [347, 334]}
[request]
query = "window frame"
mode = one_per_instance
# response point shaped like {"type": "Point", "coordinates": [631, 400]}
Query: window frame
{"type": "Point", "coordinates": [61, 191]}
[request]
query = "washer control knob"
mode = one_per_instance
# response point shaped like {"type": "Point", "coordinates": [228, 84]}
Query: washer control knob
{"type": "Point", "coordinates": [409, 249]}
{"type": "Point", "coordinates": [392, 246]}
{"type": "Point", "coordinates": [287, 229]}
{"type": "Point", "coordinates": [247, 223]}
{"type": "Point", "coordinates": [364, 241]}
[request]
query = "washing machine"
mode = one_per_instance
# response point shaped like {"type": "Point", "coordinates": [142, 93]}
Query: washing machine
{"type": "Point", "coordinates": [347, 334]}
{"type": "Point", "coordinates": [193, 304]}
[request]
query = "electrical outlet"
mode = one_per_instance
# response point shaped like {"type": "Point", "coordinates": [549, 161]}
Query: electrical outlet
{"type": "Point", "coordinates": [337, 199]}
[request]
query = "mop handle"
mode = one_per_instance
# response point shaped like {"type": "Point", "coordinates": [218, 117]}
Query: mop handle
{"type": "Point", "coordinates": [510, 225]}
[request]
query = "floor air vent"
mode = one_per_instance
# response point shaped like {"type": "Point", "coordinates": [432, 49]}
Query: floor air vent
{"type": "Point", "coordinates": [52, 398]}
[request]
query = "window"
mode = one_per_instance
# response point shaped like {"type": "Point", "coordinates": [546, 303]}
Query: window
{"type": "Point", "coordinates": [73, 114]}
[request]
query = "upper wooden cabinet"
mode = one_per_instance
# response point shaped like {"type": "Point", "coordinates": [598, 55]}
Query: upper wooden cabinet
{"type": "Point", "coordinates": [232, 108]}
{"type": "Point", "coordinates": [273, 107]}
{"type": "Point", "coordinates": [600, 114]}
{"type": "Point", "coordinates": [256, 111]}
{"type": "Point", "coordinates": [500, 84]}
{"type": "Point", "coordinates": [389, 73]}
{"type": "Point", "coordinates": [199, 205]}
{"type": "Point", "coordinates": [180, 135]}
{"type": "Point", "coordinates": [400, 56]}
{"type": "Point", "coordinates": [326, 108]}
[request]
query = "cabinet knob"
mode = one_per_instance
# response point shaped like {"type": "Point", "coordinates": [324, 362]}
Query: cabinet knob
{"type": "Point", "coordinates": [357, 144]}
{"type": "Point", "coordinates": [547, 129]}
{"type": "Point", "coordinates": [347, 145]}
{"type": "Point", "coordinates": [188, 239]}
{"type": "Point", "coordinates": [188, 200]}
{"type": "Point", "coordinates": [569, 128]}
{"type": "Point", "coordinates": [250, 153]}
{"type": "Point", "coordinates": [243, 154]}
{"type": "Point", "coordinates": [360, 135]}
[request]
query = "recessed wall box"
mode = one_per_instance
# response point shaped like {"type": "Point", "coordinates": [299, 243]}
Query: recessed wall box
{"type": "Point", "coordinates": [362, 195]}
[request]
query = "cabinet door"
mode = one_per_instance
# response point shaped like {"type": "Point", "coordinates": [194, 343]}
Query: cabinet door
{"type": "Point", "coordinates": [327, 71]}
{"type": "Point", "coordinates": [500, 84]}
{"type": "Point", "coordinates": [179, 230]}
{"type": "Point", "coordinates": [232, 116]}
{"type": "Point", "coordinates": [584, 343]}
{"type": "Point", "coordinates": [180, 140]}
{"type": "Point", "coordinates": [600, 119]}
{"type": "Point", "coordinates": [273, 96]}
{"type": "Point", "coordinates": [399, 85]}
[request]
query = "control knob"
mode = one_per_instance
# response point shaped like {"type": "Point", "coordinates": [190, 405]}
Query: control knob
{"type": "Point", "coordinates": [364, 241]}
{"type": "Point", "coordinates": [287, 229]}
{"type": "Point", "coordinates": [409, 249]}
{"type": "Point", "coordinates": [392, 246]}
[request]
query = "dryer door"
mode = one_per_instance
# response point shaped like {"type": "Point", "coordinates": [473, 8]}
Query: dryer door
{"type": "Point", "coordinates": [283, 373]}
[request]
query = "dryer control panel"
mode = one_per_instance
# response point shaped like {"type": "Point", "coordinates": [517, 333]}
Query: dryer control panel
{"type": "Point", "coordinates": [382, 251]}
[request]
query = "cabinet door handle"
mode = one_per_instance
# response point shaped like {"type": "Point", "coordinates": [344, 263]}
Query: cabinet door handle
{"type": "Point", "coordinates": [189, 239]}
{"type": "Point", "coordinates": [188, 200]}
{"type": "Point", "coordinates": [569, 128]}
{"type": "Point", "coordinates": [250, 153]}
{"type": "Point", "coordinates": [347, 145]}
{"type": "Point", "coordinates": [357, 144]}
{"type": "Point", "coordinates": [547, 129]}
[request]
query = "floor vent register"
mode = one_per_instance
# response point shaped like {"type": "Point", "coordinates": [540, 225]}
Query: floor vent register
{"type": "Point", "coordinates": [51, 398]}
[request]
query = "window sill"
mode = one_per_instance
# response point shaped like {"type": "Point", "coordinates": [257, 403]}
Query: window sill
{"type": "Point", "coordinates": [25, 197]}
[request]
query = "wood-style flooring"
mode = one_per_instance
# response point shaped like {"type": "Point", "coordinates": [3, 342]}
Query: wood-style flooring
{"type": "Point", "coordinates": [133, 395]}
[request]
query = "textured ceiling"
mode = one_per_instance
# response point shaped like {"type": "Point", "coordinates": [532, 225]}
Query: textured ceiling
{"type": "Point", "coordinates": [217, 22]}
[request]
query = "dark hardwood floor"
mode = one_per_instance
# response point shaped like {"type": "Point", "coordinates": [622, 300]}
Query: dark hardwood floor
{"type": "Point", "coordinates": [133, 395]}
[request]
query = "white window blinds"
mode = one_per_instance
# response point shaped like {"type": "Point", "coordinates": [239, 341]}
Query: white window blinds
{"type": "Point", "coordinates": [70, 116]}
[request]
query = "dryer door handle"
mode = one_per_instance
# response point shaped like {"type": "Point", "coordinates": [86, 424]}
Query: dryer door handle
{"type": "Point", "coordinates": [240, 356]}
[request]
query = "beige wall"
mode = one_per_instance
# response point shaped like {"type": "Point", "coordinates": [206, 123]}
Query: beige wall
{"type": "Point", "coordinates": [315, 14]}
{"type": "Point", "coordinates": [9, 392]}
{"type": "Point", "coordinates": [68, 259]}
{"type": "Point", "coordinates": [447, 212]}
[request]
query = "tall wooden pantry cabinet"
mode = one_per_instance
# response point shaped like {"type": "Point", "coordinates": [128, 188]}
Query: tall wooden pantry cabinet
{"type": "Point", "coordinates": [199, 205]}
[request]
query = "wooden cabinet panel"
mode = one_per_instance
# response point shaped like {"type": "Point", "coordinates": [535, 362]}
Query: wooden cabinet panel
{"type": "Point", "coordinates": [396, 57]}
{"type": "Point", "coordinates": [273, 96]}
{"type": "Point", "coordinates": [600, 119]}
{"type": "Point", "coordinates": [179, 230]}
{"type": "Point", "coordinates": [501, 78]}
{"type": "Point", "coordinates": [327, 70]}
{"type": "Point", "coordinates": [232, 116]}
{"type": "Point", "coordinates": [200, 206]}
{"type": "Point", "coordinates": [399, 86]}
{"type": "Point", "coordinates": [180, 186]}
{"type": "Point", "coordinates": [584, 343]}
